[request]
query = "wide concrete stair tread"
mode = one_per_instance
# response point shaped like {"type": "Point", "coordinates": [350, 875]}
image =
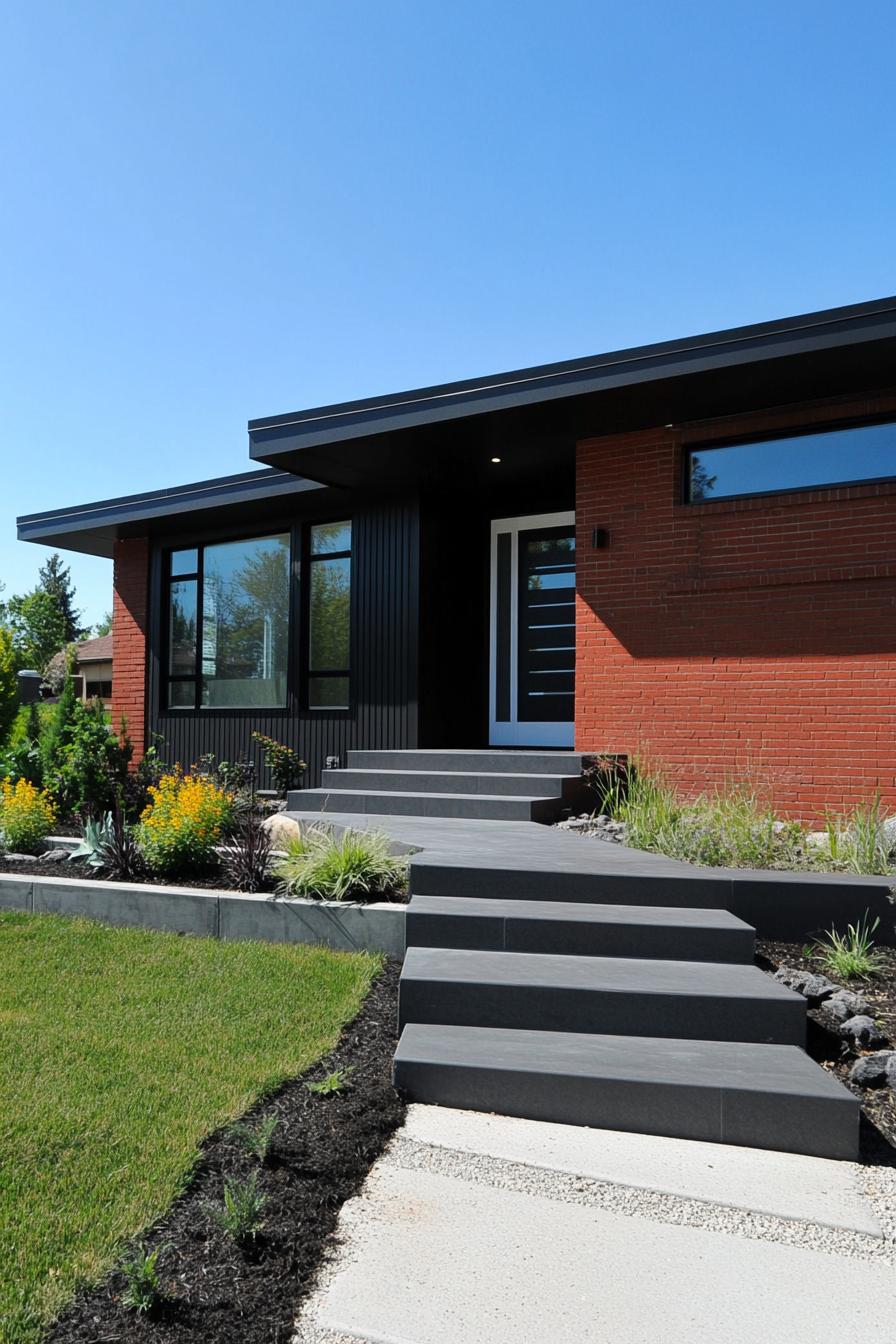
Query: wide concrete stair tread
{"type": "Point", "coordinates": [486, 807]}
{"type": "Point", "coordinates": [755, 1095]}
{"type": "Point", "coordinates": [614, 995]}
{"type": "Point", "coordinates": [578, 928]}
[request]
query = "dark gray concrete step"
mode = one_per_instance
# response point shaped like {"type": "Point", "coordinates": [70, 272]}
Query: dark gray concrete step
{"type": "Point", "coordinates": [480, 806]}
{"type": "Point", "coordinates": [758, 1096]}
{"type": "Point", "coordinates": [430, 781]}
{"type": "Point", "coordinates": [492, 761]}
{"type": "Point", "coordinates": [579, 929]}
{"type": "Point", "coordinates": [620, 996]}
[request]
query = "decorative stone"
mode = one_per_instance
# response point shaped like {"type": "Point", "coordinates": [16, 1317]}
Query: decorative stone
{"type": "Point", "coordinates": [18, 858]}
{"type": "Point", "coordinates": [281, 829]}
{"type": "Point", "coordinates": [818, 840]}
{"type": "Point", "coordinates": [844, 1004]}
{"type": "Point", "coordinates": [873, 1070]}
{"type": "Point", "coordinates": [864, 1031]}
{"type": "Point", "coordinates": [814, 988]}
{"type": "Point", "coordinates": [55, 855]}
{"type": "Point", "coordinates": [891, 1070]}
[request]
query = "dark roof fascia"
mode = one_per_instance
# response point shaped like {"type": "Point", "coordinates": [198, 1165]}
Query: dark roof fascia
{"type": "Point", "coordinates": [99, 522]}
{"type": "Point", "coordinates": [831, 328]}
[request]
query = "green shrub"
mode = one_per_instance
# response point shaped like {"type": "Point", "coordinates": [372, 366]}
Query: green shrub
{"type": "Point", "coordinates": [285, 765]}
{"type": "Point", "coordinates": [240, 1215]}
{"type": "Point", "coordinates": [356, 865]}
{"type": "Point", "coordinates": [337, 1081]}
{"type": "Point", "coordinates": [143, 1287]}
{"type": "Point", "coordinates": [91, 762]}
{"type": "Point", "coordinates": [853, 954]}
{"type": "Point", "coordinates": [55, 738]}
{"type": "Point", "coordinates": [9, 691]}
{"type": "Point", "coordinates": [256, 1139]}
{"type": "Point", "coordinates": [183, 823]}
{"type": "Point", "coordinates": [27, 816]}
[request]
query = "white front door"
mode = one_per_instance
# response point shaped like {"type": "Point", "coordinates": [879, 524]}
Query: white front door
{"type": "Point", "coordinates": [532, 631]}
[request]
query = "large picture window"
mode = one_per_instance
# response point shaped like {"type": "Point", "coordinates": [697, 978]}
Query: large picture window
{"type": "Point", "coordinates": [801, 462]}
{"type": "Point", "coordinates": [228, 625]}
{"type": "Point", "coordinates": [329, 615]}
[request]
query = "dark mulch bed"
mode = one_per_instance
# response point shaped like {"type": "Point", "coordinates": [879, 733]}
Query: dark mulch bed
{"type": "Point", "coordinates": [837, 1055]}
{"type": "Point", "coordinates": [321, 1151]}
{"type": "Point", "coordinates": [38, 867]}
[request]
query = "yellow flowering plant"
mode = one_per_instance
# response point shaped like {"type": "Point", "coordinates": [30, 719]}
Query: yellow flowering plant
{"type": "Point", "coordinates": [27, 816]}
{"type": "Point", "coordinates": [183, 822]}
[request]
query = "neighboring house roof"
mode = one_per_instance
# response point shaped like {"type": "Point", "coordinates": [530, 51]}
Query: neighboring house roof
{"type": "Point", "coordinates": [89, 651]}
{"type": "Point", "coordinates": [97, 650]}
{"type": "Point", "coordinates": [395, 439]}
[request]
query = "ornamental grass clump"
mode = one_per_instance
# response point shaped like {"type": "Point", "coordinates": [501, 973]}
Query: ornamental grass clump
{"type": "Point", "coordinates": [183, 823]}
{"type": "Point", "coordinates": [27, 816]}
{"type": "Point", "coordinates": [353, 866]}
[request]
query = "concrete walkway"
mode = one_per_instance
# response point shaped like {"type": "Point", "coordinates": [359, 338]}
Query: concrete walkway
{"type": "Point", "coordinates": [499, 1231]}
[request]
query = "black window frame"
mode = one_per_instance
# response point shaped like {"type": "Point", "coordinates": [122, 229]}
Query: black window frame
{"type": "Point", "coordinates": [306, 674]}
{"type": "Point", "coordinates": [166, 680]}
{"type": "Point", "coordinates": [800, 432]}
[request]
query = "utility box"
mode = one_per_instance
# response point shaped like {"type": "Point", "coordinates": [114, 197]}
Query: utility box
{"type": "Point", "coordinates": [29, 687]}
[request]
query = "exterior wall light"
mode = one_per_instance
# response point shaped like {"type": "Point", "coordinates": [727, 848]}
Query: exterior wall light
{"type": "Point", "coordinates": [496, 459]}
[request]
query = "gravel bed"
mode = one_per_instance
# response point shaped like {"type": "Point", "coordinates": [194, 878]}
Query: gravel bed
{"type": "Point", "coordinates": [639, 1203]}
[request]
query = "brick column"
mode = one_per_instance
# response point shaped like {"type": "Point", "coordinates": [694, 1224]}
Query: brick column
{"type": "Point", "coordinates": [130, 616]}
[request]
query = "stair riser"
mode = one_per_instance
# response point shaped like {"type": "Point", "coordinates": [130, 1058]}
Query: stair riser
{"type": "Point", "coordinates": [580, 939]}
{"type": "Point", "coordinates": [476, 762]}
{"type": "Point", "coordinates": [618, 887]}
{"type": "Point", "coordinates": [692, 1017]}
{"type": "Point", "coordinates": [425, 805]}
{"type": "Point", "coordinates": [363, 781]}
{"type": "Point", "coordinates": [810, 1125]}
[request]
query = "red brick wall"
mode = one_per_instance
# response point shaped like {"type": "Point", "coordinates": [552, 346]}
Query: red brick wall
{"type": "Point", "coordinates": [741, 640]}
{"type": "Point", "coordinates": [129, 630]}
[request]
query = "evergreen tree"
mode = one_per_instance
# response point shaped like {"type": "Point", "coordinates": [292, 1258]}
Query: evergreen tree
{"type": "Point", "coordinates": [55, 578]}
{"type": "Point", "coordinates": [9, 695]}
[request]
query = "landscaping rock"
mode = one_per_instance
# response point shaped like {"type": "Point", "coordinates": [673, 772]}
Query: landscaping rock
{"type": "Point", "coordinates": [55, 855]}
{"type": "Point", "coordinates": [864, 1031]}
{"type": "Point", "coordinates": [818, 840]}
{"type": "Point", "coordinates": [19, 858]}
{"type": "Point", "coordinates": [891, 1070]}
{"type": "Point", "coordinates": [844, 1004]}
{"type": "Point", "coordinates": [888, 831]}
{"type": "Point", "coordinates": [814, 988]}
{"type": "Point", "coordinates": [873, 1070]}
{"type": "Point", "coordinates": [281, 829]}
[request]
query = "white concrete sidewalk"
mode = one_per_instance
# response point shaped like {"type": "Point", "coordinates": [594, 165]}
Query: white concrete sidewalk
{"type": "Point", "coordinates": [499, 1231]}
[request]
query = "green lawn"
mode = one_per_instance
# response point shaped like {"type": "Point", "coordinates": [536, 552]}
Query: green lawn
{"type": "Point", "coordinates": [119, 1050]}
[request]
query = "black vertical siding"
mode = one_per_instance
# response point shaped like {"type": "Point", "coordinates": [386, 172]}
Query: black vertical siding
{"type": "Point", "coordinates": [384, 657]}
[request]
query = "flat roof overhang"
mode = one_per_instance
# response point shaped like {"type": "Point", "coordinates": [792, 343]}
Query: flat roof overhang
{"type": "Point", "coordinates": [533, 417]}
{"type": "Point", "coordinates": [94, 528]}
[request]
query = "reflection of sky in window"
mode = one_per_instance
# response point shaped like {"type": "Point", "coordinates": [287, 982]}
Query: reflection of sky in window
{"type": "Point", "coordinates": [861, 453]}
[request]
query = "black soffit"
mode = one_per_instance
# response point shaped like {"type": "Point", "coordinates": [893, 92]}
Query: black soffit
{"type": "Point", "coordinates": [790, 359]}
{"type": "Point", "coordinates": [530, 419]}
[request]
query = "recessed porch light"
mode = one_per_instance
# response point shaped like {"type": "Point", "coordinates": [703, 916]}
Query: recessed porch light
{"type": "Point", "coordinates": [496, 459]}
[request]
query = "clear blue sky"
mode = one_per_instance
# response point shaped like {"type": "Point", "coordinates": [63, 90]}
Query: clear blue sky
{"type": "Point", "coordinates": [212, 211]}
